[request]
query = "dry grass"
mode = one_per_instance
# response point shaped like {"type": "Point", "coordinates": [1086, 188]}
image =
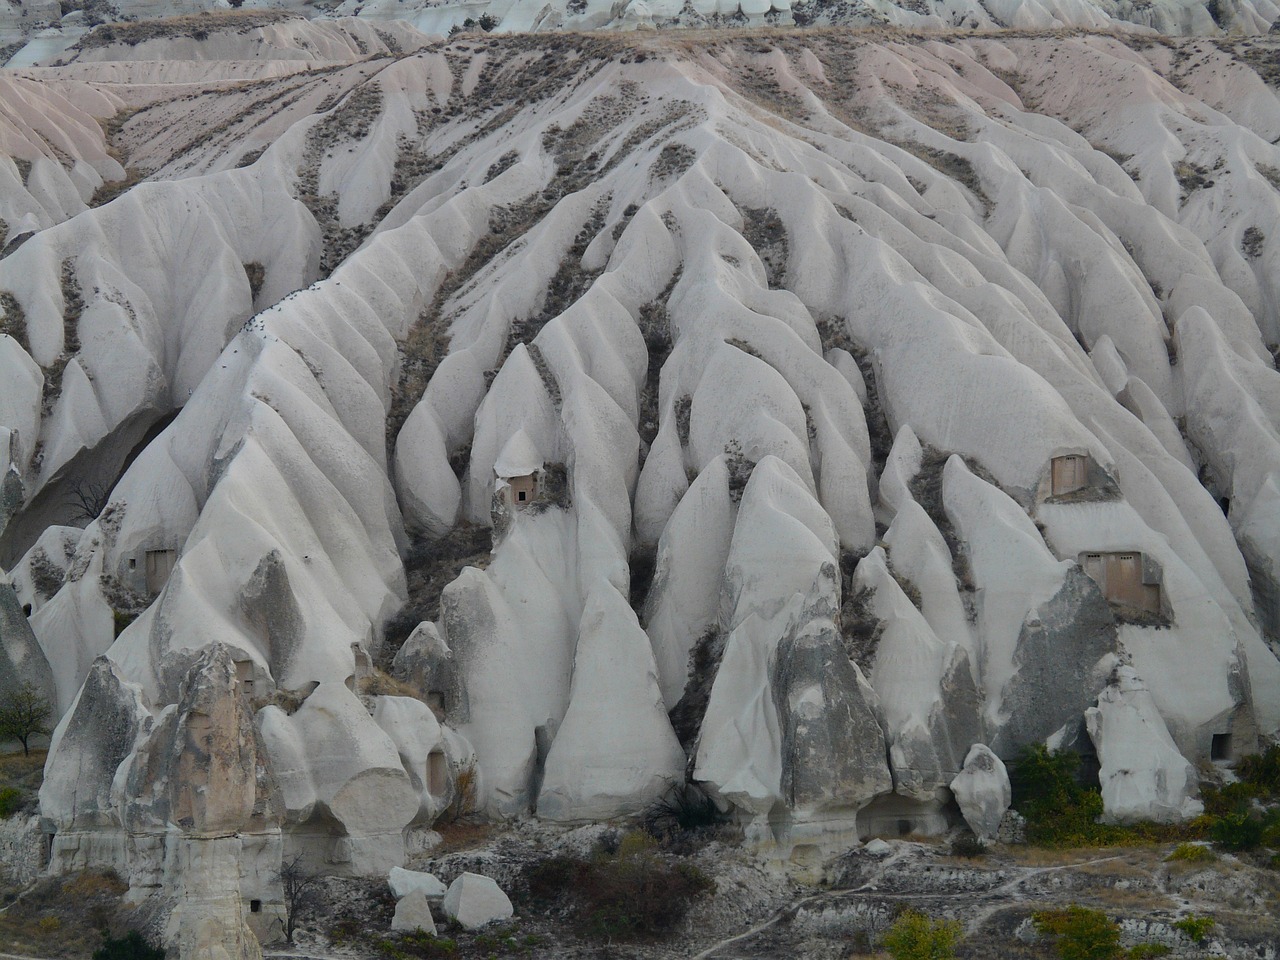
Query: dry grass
{"type": "Point", "coordinates": [65, 916]}
{"type": "Point", "coordinates": [462, 835]}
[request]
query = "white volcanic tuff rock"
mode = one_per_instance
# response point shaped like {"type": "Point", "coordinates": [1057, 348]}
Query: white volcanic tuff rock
{"type": "Point", "coordinates": [474, 901]}
{"type": "Point", "coordinates": [164, 287]}
{"type": "Point", "coordinates": [684, 601]}
{"type": "Point", "coordinates": [255, 36]}
{"type": "Point", "coordinates": [77, 625]}
{"type": "Point", "coordinates": [518, 402]}
{"type": "Point", "coordinates": [615, 751]}
{"type": "Point", "coordinates": [23, 660]}
{"type": "Point", "coordinates": [1167, 16]}
{"type": "Point", "coordinates": [933, 299]}
{"type": "Point", "coordinates": [781, 541]}
{"type": "Point", "coordinates": [202, 765]}
{"type": "Point", "coordinates": [417, 734]}
{"type": "Point", "coordinates": [922, 557]}
{"type": "Point", "coordinates": [779, 716]}
{"type": "Point", "coordinates": [92, 741]}
{"type": "Point", "coordinates": [39, 125]}
{"type": "Point", "coordinates": [404, 882]}
{"type": "Point", "coordinates": [1201, 638]}
{"type": "Point", "coordinates": [57, 544]}
{"type": "Point", "coordinates": [1011, 564]}
{"type": "Point", "coordinates": [1143, 775]}
{"type": "Point", "coordinates": [334, 763]}
{"type": "Point", "coordinates": [428, 488]}
{"type": "Point", "coordinates": [901, 467]}
{"type": "Point", "coordinates": [832, 746]}
{"type": "Point", "coordinates": [515, 670]}
{"type": "Point", "coordinates": [926, 695]}
{"type": "Point", "coordinates": [19, 407]}
{"type": "Point", "coordinates": [982, 790]}
{"type": "Point", "coordinates": [413, 913]}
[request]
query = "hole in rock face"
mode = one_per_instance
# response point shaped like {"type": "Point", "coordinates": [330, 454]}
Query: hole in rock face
{"type": "Point", "coordinates": [26, 609]}
{"type": "Point", "coordinates": [904, 827]}
{"type": "Point", "coordinates": [255, 906]}
{"type": "Point", "coordinates": [1220, 747]}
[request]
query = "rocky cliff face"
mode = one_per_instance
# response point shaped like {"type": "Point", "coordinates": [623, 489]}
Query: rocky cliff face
{"type": "Point", "coordinates": [785, 412]}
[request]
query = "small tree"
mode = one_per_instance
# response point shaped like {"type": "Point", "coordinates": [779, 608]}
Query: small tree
{"type": "Point", "coordinates": [297, 884]}
{"type": "Point", "coordinates": [914, 936]}
{"type": "Point", "coordinates": [25, 715]}
{"type": "Point", "coordinates": [1080, 933]}
{"type": "Point", "coordinates": [88, 499]}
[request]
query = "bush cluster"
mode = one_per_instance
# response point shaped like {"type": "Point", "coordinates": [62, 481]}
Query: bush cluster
{"type": "Point", "coordinates": [1079, 933]}
{"type": "Point", "coordinates": [1061, 812]}
{"type": "Point", "coordinates": [914, 936]}
{"type": "Point", "coordinates": [631, 892]}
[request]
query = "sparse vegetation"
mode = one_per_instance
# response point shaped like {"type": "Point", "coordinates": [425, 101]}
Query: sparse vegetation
{"type": "Point", "coordinates": [256, 274]}
{"type": "Point", "coordinates": [631, 892]}
{"type": "Point", "coordinates": [132, 946]}
{"type": "Point", "coordinates": [46, 576]}
{"type": "Point", "coordinates": [914, 936]}
{"type": "Point", "coordinates": [1191, 177]}
{"type": "Point", "coordinates": [1251, 243]}
{"type": "Point", "coordinates": [684, 812]}
{"type": "Point", "coordinates": [11, 801]}
{"type": "Point", "coordinates": [298, 886]}
{"type": "Point", "coordinates": [1079, 933]}
{"type": "Point", "coordinates": [66, 916]}
{"type": "Point", "coordinates": [1191, 853]}
{"type": "Point", "coordinates": [14, 321]}
{"type": "Point", "coordinates": [1196, 929]}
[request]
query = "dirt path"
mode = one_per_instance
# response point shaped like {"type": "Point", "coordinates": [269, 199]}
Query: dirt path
{"type": "Point", "coordinates": [997, 895]}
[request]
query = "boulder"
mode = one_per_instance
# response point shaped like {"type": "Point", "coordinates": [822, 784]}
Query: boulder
{"type": "Point", "coordinates": [413, 912]}
{"type": "Point", "coordinates": [982, 790]}
{"type": "Point", "coordinates": [474, 901]}
{"type": "Point", "coordinates": [404, 882]}
{"type": "Point", "coordinates": [1143, 775]}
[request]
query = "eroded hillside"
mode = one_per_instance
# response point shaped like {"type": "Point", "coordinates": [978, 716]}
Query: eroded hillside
{"type": "Point", "coordinates": [574, 415]}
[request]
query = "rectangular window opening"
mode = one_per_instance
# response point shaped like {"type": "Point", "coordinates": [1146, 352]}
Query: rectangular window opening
{"type": "Point", "coordinates": [1220, 748]}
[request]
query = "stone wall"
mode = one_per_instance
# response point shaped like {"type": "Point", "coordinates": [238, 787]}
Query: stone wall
{"type": "Point", "coordinates": [21, 849]}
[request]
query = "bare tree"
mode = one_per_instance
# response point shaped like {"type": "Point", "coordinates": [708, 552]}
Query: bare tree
{"type": "Point", "coordinates": [298, 885]}
{"type": "Point", "coordinates": [25, 715]}
{"type": "Point", "coordinates": [89, 499]}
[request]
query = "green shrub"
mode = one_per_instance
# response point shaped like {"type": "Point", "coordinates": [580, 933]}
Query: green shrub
{"type": "Point", "coordinates": [1079, 933]}
{"type": "Point", "coordinates": [1233, 798]}
{"type": "Point", "coordinates": [11, 800]}
{"type": "Point", "coordinates": [1262, 770]}
{"type": "Point", "coordinates": [1144, 950]}
{"type": "Point", "coordinates": [132, 946]}
{"type": "Point", "coordinates": [1062, 813]}
{"type": "Point", "coordinates": [1192, 853]}
{"type": "Point", "coordinates": [1196, 928]}
{"type": "Point", "coordinates": [1237, 831]}
{"type": "Point", "coordinates": [914, 936]}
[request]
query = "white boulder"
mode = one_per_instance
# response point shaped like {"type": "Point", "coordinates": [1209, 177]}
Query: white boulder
{"type": "Point", "coordinates": [474, 901]}
{"type": "Point", "coordinates": [1143, 775]}
{"type": "Point", "coordinates": [982, 790]}
{"type": "Point", "coordinates": [413, 913]}
{"type": "Point", "coordinates": [405, 882]}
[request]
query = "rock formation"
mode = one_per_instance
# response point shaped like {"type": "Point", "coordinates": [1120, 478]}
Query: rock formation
{"type": "Point", "coordinates": [468, 426]}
